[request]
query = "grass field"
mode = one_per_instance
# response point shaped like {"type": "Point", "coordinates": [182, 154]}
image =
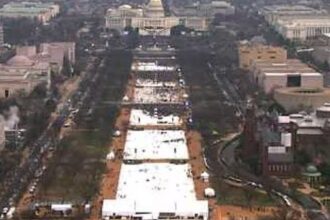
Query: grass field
{"type": "Point", "coordinates": [75, 171]}
{"type": "Point", "coordinates": [240, 196]}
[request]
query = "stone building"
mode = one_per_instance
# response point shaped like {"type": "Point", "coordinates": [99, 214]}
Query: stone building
{"type": "Point", "coordinates": [203, 9]}
{"type": "Point", "coordinates": [291, 73]}
{"type": "Point", "coordinates": [248, 53]}
{"type": "Point", "coordinates": [297, 22]}
{"type": "Point", "coordinates": [43, 12]}
{"type": "Point", "coordinates": [150, 20]}
{"type": "Point", "coordinates": [32, 66]}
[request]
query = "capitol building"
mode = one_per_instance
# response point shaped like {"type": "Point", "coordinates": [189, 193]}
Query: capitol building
{"type": "Point", "coordinates": [151, 19]}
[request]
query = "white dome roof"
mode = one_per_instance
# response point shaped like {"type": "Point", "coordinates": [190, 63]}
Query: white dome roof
{"type": "Point", "coordinates": [155, 4]}
{"type": "Point", "coordinates": [20, 61]}
{"type": "Point", "coordinates": [125, 6]}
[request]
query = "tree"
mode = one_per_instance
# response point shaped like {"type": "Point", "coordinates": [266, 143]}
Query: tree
{"type": "Point", "coordinates": [302, 157]}
{"type": "Point", "coordinates": [285, 213]}
{"type": "Point", "coordinates": [325, 66]}
{"type": "Point", "coordinates": [324, 168]}
{"type": "Point", "coordinates": [67, 68]}
{"type": "Point", "coordinates": [178, 29]}
{"type": "Point", "coordinates": [249, 196]}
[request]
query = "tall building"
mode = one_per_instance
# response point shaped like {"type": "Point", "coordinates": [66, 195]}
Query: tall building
{"type": "Point", "coordinates": [150, 20]}
{"type": "Point", "coordinates": [249, 53]}
{"type": "Point", "coordinates": [2, 41]}
{"type": "Point", "coordinates": [249, 144]}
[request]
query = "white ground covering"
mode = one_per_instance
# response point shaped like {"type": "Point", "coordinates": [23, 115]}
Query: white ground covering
{"type": "Point", "coordinates": [151, 66]}
{"type": "Point", "coordinates": [155, 95]}
{"type": "Point", "coordinates": [155, 144]}
{"type": "Point", "coordinates": [149, 189]}
{"type": "Point", "coordinates": [152, 181]}
{"type": "Point", "coordinates": [140, 117]}
{"type": "Point", "coordinates": [154, 83]}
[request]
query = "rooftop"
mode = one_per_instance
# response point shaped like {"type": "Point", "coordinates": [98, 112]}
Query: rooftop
{"type": "Point", "coordinates": [27, 7]}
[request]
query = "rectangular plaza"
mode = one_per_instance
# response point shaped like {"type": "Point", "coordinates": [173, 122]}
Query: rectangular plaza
{"type": "Point", "coordinates": [155, 190]}
{"type": "Point", "coordinates": [154, 95]}
{"type": "Point", "coordinates": [141, 117]}
{"type": "Point", "coordinates": [156, 145]}
{"type": "Point", "coordinates": [151, 66]}
{"type": "Point", "coordinates": [154, 83]}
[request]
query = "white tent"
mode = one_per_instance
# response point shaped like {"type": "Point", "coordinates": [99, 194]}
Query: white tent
{"type": "Point", "coordinates": [205, 176]}
{"type": "Point", "coordinates": [111, 156]}
{"type": "Point", "coordinates": [209, 192]}
{"type": "Point", "coordinates": [151, 209]}
{"type": "Point", "coordinates": [125, 99]}
{"type": "Point", "coordinates": [117, 133]}
{"type": "Point", "coordinates": [61, 207]}
{"type": "Point", "coordinates": [118, 207]}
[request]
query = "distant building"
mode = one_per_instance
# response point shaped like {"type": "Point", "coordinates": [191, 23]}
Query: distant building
{"type": "Point", "coordinates": [311, 129]}
{"type": "Point", "coordinates": [277, 153]}
{"type": "Point", "coordinates": [297, 22]}
{"type": "Point", "coordinates": [269, 149]}
{"type": "Point", "coordinates": [303, 28]}
{"type": "Point", "coordinates": [150, 20]}
{"type": "Point", "coordinates": [311, 132]}
{"type": "Point", "coordinates": [297, 99]}
{"type": "Point", "coordinates": [52, 53]}
{"type": "Point", "coordinates": [31, 67]}
{"type": "Point", "coordinates": [43, 12]}
{"type": "Point", "coordinates": [273, 13]}
{"type": "Point", "coordinates": [22, 74]}
{"type": "Point", "coordinates": [291, 73]}
{"type": "Point", "coordinates": [248, 53]}
{"type": "Point", "coordinates": [205, 9]}
{"type": "Point", "coordinates": [56, 51]}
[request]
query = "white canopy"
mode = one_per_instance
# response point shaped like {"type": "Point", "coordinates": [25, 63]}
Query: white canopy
{"type": "Point", "coordinates": [205, 176]}
{"type": "Point", "coordinates": [61, 207]}
{"type": "Point", "coordinates": [149, 209]}
{"type": "Point", "coordinates": [209, 192]}
{"type": "Point", "coordinates": [111, 155]}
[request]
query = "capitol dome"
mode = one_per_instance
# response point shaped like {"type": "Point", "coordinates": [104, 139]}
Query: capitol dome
{"type": "Point", "coordinates": [155, 4]}
{"type": "Point", "coordinates": [155, 9]}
